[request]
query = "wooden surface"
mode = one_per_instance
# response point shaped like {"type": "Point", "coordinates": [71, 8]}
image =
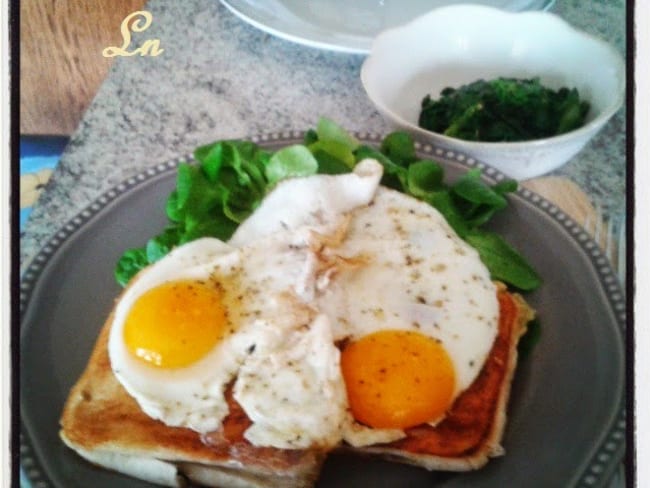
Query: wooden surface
{"type": "Point", "coordinates": [566, 195]}
{"type": "Point", "coordinates": [61, 62]}
{"type": "Point", "coordinates": [577, 205]}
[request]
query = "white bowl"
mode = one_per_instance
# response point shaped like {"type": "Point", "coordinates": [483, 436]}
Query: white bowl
{"type": "Point", "coordinates": [456, 45]}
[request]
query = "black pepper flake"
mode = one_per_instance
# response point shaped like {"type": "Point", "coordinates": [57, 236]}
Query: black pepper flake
{"type": "Point", "coordinates": [251, 349]}
{"type": "Point", "coordinates": [421, 299]}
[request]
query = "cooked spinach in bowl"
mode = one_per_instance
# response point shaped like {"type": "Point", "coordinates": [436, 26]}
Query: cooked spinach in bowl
{"type": "Point", "coordinates": [503, 110]}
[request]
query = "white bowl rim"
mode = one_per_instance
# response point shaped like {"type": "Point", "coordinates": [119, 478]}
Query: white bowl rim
{"type": "Point", "coordinates": [583, 130]}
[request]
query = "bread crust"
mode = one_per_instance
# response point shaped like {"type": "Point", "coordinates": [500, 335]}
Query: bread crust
{"type": "Point", "coordinates": [471, 432]}
{"type": "Point", "coordinates": [105, 425]}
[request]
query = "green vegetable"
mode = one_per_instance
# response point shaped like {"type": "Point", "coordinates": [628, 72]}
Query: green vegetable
{"type": "Point", "coordinates": [504, 263]}
{"type": "Point", "coordinates": [330, 131]}
{"type": "Point", "coordinates": [503, 109]}
{"type": "Point", "coordinates": [211, 198]}
{"type": "Point", "coordinates": [129, 264]}
{"type": "Point", "coordinates": [290, 161]}
{"type": "Point", "coordinates": [424, 178]}
{"type": "Point", "coordinates": [529, 339]}
{"type": "Point", "coordinates": [230, 179]}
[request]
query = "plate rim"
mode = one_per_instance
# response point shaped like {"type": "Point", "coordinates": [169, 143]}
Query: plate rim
{"type": "Point", "coordinates": [608, 451]}
{"type": "Point", "coordinates": [347, 43]}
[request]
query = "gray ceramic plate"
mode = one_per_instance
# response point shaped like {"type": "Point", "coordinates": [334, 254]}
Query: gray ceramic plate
{"type": "Point", "coordinates": [566, 422]}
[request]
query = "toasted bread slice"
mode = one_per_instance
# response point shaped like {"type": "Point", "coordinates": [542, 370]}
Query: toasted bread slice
{"type": "Point", "coordinates": [471, 433]}
{"type": "Point", "coordinates": [105, 425]}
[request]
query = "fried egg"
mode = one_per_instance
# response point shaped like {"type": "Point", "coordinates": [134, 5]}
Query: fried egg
{"type": "Point", "coordinates": [212, 315]}
{"type": "Point", "coordinates": [419, 317]}
{"type": "Point", "coordinates": [339, 310]}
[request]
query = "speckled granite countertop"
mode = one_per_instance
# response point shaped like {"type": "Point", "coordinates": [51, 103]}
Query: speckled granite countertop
{"type": "Point", "coordinates": [221, 78]}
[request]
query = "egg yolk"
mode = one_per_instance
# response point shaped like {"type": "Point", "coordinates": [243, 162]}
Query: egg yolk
{"type": "Point", "coordinates": [175, 324]}
{"type": "Point", "coordinates": [397, 379]}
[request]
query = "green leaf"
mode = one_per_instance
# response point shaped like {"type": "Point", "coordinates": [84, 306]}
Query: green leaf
{"type": "Point", "coordinates": [328, 164]}
{"type": "Point", "coordinates": [529, 339]}
{"type": "Point", "coordinates": [160, 245]}
{"type": "Point", "coordinates": [211, 159]}
{"type": "Point", "coordinates": [291, 161]}
{"type": "Point", "coordinates": [218, 226]}
{"type": "Point", "coordinates": [311, 136]}
{"type": "Point", "coordinates": [333, 150]}
{"type": "Point", "coordinates": [395, 176]}
{"type": "Point", "coordinates": [129, 264]}
{"type": "Point", "coordinates": [505, 186]}
{"type": "Point", "coordinates": [237, 200]}
{"type": "Point", "coordinates": [196, 195]}
{"type": "Point", "coordinates": [399, 148]}
{"type": "Point", "coordinates": [472, 188]}
{"type": "Point", "coordinates": [505, 264]}
{"type": "Point", "coordinates": [477, 201]}
{"type": "Point", "coordinates": [444, 203]}
{"type": "Point", "coordinates": [328, 130]}
{"type": "Point", "coordinates": [424, 177]}
{"type": "Point", "coordinates": [172, 208]}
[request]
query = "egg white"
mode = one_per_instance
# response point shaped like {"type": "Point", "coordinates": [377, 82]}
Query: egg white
{"type": "Point", "coordinates": [324, 258]}
{"type": "Point", "coordinates": [271, 273]}
{"type": "Point", "coordinates": [419, 276]}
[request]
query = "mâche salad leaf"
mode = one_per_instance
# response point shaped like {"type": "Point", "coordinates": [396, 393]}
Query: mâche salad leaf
{"type": "Point", "coordinates": [230, 178]}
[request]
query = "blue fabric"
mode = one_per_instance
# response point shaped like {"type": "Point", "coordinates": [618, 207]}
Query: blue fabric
{"type": "Point", "coordinates": [37, 153]}
{"type": "Point", "coordinates": [52, 146]}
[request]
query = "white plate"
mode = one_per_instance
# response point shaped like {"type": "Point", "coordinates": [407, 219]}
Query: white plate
{"type": "Point", "coordinates": [347, 26]}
